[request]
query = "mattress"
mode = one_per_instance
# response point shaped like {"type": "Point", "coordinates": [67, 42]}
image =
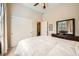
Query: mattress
{"type": "Point", "coordinates": [47, 46]}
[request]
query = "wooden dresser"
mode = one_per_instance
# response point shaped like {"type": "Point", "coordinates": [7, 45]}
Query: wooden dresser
{"type": "Point", "coordinates": [68, 37]}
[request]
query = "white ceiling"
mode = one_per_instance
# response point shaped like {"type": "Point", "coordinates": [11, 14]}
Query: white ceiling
{"type": "Point", "coordinates": [39, 7]}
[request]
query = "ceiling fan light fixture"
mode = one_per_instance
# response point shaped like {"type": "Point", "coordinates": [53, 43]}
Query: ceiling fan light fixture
{"type": "Point", "coordinates": [36, 4]}
{"type": "Point", "coordinates": [42, 4]}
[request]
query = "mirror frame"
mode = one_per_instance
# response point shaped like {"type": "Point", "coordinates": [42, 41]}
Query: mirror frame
{"type": "Point", "coordinates": [73, 20]}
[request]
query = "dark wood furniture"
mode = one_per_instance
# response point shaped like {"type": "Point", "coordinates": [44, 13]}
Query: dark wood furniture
{"type": "Point", "coordinates": [67, 37]}
{"type": "Point", "coordinates": [67, 20]}
{"type": "Point", "coordinates": [62, 34]}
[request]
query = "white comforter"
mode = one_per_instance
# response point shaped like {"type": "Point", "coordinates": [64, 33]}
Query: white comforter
{"type": "Point", "coordinates": [47, 45]}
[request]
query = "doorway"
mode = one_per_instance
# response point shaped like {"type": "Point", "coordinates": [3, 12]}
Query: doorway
{"type": "Point", "coordinates": [44, 28]}
{"type": "Point", "coordinates": [38, 28]}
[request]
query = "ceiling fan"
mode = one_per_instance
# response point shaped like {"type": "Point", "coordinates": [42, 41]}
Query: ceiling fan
{"type": "Point", "coordinates": [44, 5]}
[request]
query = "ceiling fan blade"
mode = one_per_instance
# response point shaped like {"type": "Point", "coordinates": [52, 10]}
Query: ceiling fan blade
{"type": "Point", "coordinates": [36, 4]}
{"type": "Point", "coordinates": [44, 7]}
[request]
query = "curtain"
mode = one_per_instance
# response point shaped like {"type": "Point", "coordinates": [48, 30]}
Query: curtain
{"type": "Point", "coordinates": [3, 27]}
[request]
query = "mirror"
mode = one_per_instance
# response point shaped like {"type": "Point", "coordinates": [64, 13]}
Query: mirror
{"type": "Point", "coordinates": [66, 27]}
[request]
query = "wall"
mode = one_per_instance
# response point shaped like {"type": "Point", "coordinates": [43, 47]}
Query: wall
{"type": "Point", "coordinates": [19, 10]}
{"type": "Point", "coordinates": [61, 12]}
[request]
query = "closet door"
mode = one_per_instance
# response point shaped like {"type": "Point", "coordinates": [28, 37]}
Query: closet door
{"type": "Point", "coordinates": [21, 29]}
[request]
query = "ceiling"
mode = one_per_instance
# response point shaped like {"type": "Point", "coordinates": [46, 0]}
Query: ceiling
{"type": "Point", "coordinates": [39, 7]}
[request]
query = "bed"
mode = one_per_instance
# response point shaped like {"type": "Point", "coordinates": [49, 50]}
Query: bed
{"type": "Point", "coordinates": [47, 46]}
